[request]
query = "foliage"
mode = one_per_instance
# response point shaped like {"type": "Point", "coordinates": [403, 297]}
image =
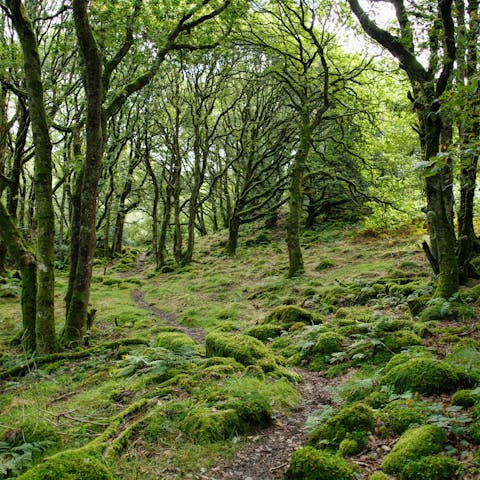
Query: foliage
{"type": "Point", "coordinates": [433, 467]}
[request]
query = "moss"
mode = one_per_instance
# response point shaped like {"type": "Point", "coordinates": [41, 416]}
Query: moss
{"type": "Point", "coordinates": [424, 375]}
{"type": "Point", "coordinates": [401, 358]}
{"type": "Point", "coordinates": [253, 410]}
{"type": "Point", "coordinates": [434, 467]}
{"type": "Point", "coordinates": [413, 445]}
{"type": "Point", "coordinates": [173, 340]}
{"type": "Point", "coordinates": [400, 415]}
{"type": "Point", "coordinates": [324, 265]}
{"type": "Point", "coordinates": [205, 425]}
{"type": "Point", "coordinates": [243, 348]}
{"type": "Point", "coordinates": [31, 431]}
{"type": "Point", "coordinates": [69, 465]}
{"type": "Point", "coordinates": [287, 315]}
{"type": "Point", "coordinates": [349, 447]}
{"type": "Point", "coordinates": [377, 399]}
{"type": "Point", "coordinates": [328, 342]}
{"type": "Point", "coordinates": [378, 476]}
{"type": "Point", "coordinates": [264, 332]}
{"type": "Point", "coordinates": [464, 398]}
{"type": "Point", "coordinates": [356, 418]}
{"type": "Point", "coordinates": [474, 432]}
{"type": "Point", "coordinates": [438, 308]}
{"type": "Point", "coordinates": [112, 281]}
{"type": "Point", "coordinates": [311, 464]}
{"type": "Point", "coordinates": [401, 340]}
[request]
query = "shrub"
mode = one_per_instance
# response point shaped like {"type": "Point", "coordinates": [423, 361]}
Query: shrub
{"type": "Point", "coordinates": [69, 465]}
{"type": "Point", "coordinates": [413, 445]}
{"type": "Point", "coordinates": [311, 464]}
{"type": "Point", "coordinates": [423, 375]}
{"type": "Point", "coordinates": [434, 467]}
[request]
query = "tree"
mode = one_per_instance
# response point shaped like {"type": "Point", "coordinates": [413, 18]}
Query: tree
{"type": "Point", "coordinates": [428, 85]}
{"type": "Point", "coordinates": [45, 320]}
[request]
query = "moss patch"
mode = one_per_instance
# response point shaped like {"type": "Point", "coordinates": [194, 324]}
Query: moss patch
{"type": "Point", "coordinates": [413, 445]}
{"type": "Point", "coordinates": [173, 340]}
{"type": "Point", "coordinates": [287, 315]}
{"type": "Point", "coordinates": [424, 375]}
{"type": "Point", "coordinates": [311, 464]}
{"type": "Point", "coordinates": [434, 467]}
{"type": "Point", "coordinates": [69, 465]}
{"type": "Point", "coordinates": [264, 332]}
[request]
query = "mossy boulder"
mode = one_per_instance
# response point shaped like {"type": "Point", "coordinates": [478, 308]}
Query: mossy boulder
{"type": "Point", "coordinates": [287, 315]}
{"type": "Point", "coordinates": [399, 415]}
{"type": "Point", "coordinates": [173, 340]}
{"type": "Point", "coordinates": [265, 332]}
{"type": "Point", "coordinates": [69, 465]}
{"type": "Point", "coordinates": [401, 358]}
{"type": "Point", "coordinates": [434, 467]}
{"type": "Point", "coordinates": [253, 409]}
{"type": "Point", "coordinates": [352, 422]}
{"type": "Point", "coordinates": [414, 444]}
{"type": "Point", "coordinates": [324, 265]}
{"type": "Point", "coordinates": [349, 447]}
{"type": "Point", "coordinates": [327, 343]}
{"type": "Point", "coordinates": [424, 375]}
{"type": "Point", "coordinates": [400, 340]}
{"type": "Point", "coordinates": [243, 348]}
{"type": "Point", "coordinates": [309, 463]}
{"type": "Point", "coordinates": [438, 308]}
{"type": "Point", "coordinates": [205, 425]}
{"type": "Point", "coordinates": [465, 398]}
{"type": "Point", "coordinates": [378, 476]}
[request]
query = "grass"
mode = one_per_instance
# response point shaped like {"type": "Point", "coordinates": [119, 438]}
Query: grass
{"type": "Point", "coordinates": [81, 397]}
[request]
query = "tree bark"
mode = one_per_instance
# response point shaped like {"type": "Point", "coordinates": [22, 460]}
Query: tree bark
{"type": "Point", "coordinates": [45, 319]}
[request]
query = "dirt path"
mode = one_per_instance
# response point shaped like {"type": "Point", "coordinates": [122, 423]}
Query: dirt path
{"type": "Point", "coordinates": [267, 455]}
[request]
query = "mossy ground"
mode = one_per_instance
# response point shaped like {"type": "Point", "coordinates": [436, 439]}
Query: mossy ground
{"type": "Point", "coordinates": [360, 302]}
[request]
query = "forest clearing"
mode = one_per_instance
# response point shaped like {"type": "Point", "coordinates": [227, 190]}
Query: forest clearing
{"type": "Point", "coordinates": [238, 240]}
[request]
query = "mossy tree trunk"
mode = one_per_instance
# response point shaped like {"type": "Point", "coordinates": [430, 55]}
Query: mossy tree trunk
{"type": "Point", "coordinates": [295, 258]}
{"type": "Point", "coordinates": [44, 213]}
{"type": "Point", "coordinates": [428, 85]}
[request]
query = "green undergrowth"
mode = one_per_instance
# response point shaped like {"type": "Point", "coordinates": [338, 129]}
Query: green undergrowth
{"type": "Point", "coordinates": [143, 399]}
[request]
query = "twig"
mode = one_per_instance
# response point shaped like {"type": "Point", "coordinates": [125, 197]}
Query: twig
{"type": "Point", "coordinates": [280, 466]}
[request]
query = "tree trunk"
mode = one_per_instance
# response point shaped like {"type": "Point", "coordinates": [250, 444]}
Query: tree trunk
{"type": "Point", "coordinates": [233, 232]}
{"type": "Point", "coordinates": [76, 319]}
{"type": "Point", "coordinates": [45, 320]}
{"type": "Point", "coordinates": [295, 258]}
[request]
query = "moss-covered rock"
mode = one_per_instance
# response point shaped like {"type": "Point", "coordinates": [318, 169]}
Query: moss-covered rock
{"type": "Point", "coordinates": [266, 331]}
{"type": "Point", "coordinates": [173, 340]}
{"type": "Point", "coordinates": [401, 358]}
{"type": "Point", "coordinates": [414, 444]}
{"type": "Point", "coordinates": [205, 425]}
{"type": "Point", "coordinates": [434, 467]}
{"type": "Point", "coordinates": [377, 399]}
{"type": "Point", "coordinates": [328, 342]}
{"type": "Point", "coordinates": [324, 265]}
{"type": "Point", "coordinates": [243, 348]}
{"type": "Point", "coordinates": [253, 409]}
{"type": "Point", "coordinates": [438, 308]}
{"type": "Point", "coordinates": [311, 464]}
{"type": "Point", "coordinates": [349, 447]}
{"type": "Point", "coordinates": [424, 375]}
{"type": "Point", "coordinates": [378, 476]}
{"type": "Point", "coordinates": [400, 340]}
{"type": "Point", "coordinates": [464, 398]}
{"type": "Point", "coordinates": [69, 465]}
{"type": "Point", "coordinates": [287, 315]}
{"type": "Point", "coordinates": [352, 422]}
{"type": "Point", "coordinates": [399, 415]}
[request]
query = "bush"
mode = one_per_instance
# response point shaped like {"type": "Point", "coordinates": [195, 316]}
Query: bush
{"type": "Point", "coordinates": [311, 464]}
{"type": "Point", "coordinates": [69, 465]}
{"type": "Point", "coordinates": [414, 444]}
{"type": "Point", "coordinates": [424, 375]}
{"type": "Point", "coordinates": [434, 467]}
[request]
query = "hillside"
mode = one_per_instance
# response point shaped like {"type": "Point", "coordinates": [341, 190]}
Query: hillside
{"type": "Point", "coordinates": [222, 369]}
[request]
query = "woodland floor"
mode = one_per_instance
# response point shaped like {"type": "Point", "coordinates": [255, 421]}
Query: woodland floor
{"type": "Point", "coordinates": [78, 397]}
